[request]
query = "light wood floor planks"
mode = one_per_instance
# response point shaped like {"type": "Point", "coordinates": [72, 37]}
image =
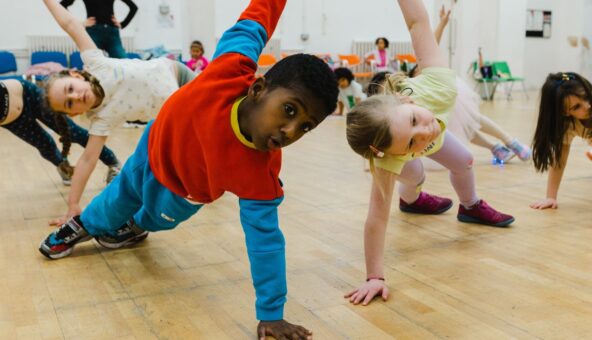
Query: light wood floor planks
{"type": "Point", "coordinates": [447, 279]}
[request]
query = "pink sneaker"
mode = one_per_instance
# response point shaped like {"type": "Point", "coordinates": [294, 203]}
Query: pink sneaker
{"type": "Point", "coordinates": [426, 204]}
{"type": "Point", "coordinates": [482, 213]}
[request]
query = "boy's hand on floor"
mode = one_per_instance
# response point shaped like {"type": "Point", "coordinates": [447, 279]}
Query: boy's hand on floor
{"type": "Point", "coordinates": [367, 292]}
{"type": "Point", "coordinates": [282, 329]}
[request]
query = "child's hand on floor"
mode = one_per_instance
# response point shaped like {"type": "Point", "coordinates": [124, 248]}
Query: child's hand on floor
{"type": "Point", "coordinates": [73, 210]}
{"type": "Point", "coordinates": [282, 329]}
{"type": "Point", "coordinates": [589, 154]}
{"type": "Point", "coordinates": [544, 204]}
{"type": "Point", "coordinates": [367, 292]}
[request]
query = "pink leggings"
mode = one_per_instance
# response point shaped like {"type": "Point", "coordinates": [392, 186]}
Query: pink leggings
{"type": "Point", "coordinates": [454, 156]}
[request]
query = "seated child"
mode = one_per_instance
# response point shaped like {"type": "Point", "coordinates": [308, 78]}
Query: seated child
{"type": "Point", "coordinates": [350, 91]}
{"type": "Point", "coordinates": [198, 62]}
{"type": "Point", "coordinates": [201, 146]}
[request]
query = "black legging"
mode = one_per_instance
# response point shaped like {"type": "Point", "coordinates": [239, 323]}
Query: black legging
{"type": "Point", "coordinates": [27, 128]}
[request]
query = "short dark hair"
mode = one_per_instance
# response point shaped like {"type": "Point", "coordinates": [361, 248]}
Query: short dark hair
{"type": "Point", "coordinates": [305, 71]}
{"type": "Point", "coordinates": [553, 122]}
{"type": "Point", "coordinates": [346, 73]}
{"type": "Point", "coordinates": [197, 44]}
{"type": "Point", "coordinates": [386, 41]}
{"type": "Point", "coordinates": [376, 83]}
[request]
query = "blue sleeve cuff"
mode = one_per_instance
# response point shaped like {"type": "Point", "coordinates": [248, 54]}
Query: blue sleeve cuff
{"type": "Point", "coordinates": [266, 250]}
{"type": "Point", "coordinates": [246, 37]}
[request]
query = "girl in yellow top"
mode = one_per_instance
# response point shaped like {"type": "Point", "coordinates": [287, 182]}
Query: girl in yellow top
{"type": "Point", "coordinates": [393, 135]}
{"type": "Point", "coordinates": [564, 113]}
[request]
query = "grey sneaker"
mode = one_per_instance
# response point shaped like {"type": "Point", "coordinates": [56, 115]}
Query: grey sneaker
{"type": "Point", "coordinates": [502, 154]}
{"type": "Point", "coordinates": [66, 171]}
{"type": "Point", "coordinates": [127, 235]}
{"type": "Point", "coordinates": [521, 150]}
{"type": "Point", "coordinates": [112, 171]}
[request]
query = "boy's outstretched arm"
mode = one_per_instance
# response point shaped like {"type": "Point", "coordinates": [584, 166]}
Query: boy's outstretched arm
{"type": "Point", "coordinates": [266, 250]}
{"type": "Point", "coordinates": [426, 48]}
{"type": "Point", "coordinates": [70, 25]}
{"type": "Point", "coordinates": [253, 30]}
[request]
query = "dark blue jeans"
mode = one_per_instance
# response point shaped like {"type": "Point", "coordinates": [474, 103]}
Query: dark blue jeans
{"type": "Point", "coordinates": [107, 38]}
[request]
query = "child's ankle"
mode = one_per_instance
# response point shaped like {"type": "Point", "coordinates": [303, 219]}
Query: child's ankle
{"type": "Point", "coordinates": [471, 205]}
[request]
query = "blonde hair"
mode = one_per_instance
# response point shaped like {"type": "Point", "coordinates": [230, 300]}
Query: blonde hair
{"type": "Point", "coordinates": [368, 126]}
{"type": "Point", "coordinates": [95, 85]}
{"type": "Point", "coordinates": [394, 83]}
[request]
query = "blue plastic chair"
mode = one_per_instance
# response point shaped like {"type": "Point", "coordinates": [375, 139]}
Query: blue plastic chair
{"type": "Point", "coordinates": [7, 62]}
{"type": "Point", "coordinates": [46, 56]}
{"type": "Point", "coordinates": [75, 61]}
{"type": "Point", "coordinates": [132, 55]}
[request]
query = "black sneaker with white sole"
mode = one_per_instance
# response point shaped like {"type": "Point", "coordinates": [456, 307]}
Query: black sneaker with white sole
{"type": "Point", "coordinates": [127, 235]}
{"type": "Point", "coordinates": [60, 243]}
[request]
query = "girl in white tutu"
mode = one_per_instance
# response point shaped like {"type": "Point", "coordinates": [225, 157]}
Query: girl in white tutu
{"type": "Point", "coordinates": [466, 121]}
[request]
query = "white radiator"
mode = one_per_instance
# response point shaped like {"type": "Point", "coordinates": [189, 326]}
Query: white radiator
{"type": "Point", "coordinates": [64, 44]}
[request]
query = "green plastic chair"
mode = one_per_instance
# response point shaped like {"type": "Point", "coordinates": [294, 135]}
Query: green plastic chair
{"type": "Point", "coordinates": [488, 84]}
{"type": "Point", "coordinates": [502, 71]}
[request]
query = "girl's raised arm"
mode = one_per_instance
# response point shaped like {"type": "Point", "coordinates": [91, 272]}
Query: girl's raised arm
{"type": "Point", "coordinates": [426, 48]}
{"type": "Point", "coordinates": [70, 25]}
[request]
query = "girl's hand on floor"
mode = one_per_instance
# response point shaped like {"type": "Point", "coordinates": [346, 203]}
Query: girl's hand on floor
{"type": "Point", "coordinates": [282, 329]}
{"type": "Point", "coordinates": [367, 292]}
{"type": "Point", "coordinates": [73, 210]}
{"type": "Point", "coordinates": [589, 154]}
{"type": "Point", "coordinates": [545, 204]}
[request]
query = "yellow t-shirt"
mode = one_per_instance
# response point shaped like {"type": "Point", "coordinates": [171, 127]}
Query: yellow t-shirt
{"type": "Point", "coordinates": [435, 90]}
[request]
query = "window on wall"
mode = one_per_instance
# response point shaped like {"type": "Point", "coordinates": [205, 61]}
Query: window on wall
{"type": "Point", "coordinates": [538, 23]}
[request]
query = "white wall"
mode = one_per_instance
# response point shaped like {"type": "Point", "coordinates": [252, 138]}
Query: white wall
{"type": "Point", "coordinates": [332, 25]}
{"type": "Point", "coordinates": [543, 56]}
{"type": "Point", "coordinates": [495, 25]}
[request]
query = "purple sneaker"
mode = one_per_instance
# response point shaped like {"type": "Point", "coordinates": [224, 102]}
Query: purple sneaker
{"type": "Point", "coordinates": [482, 213]}
{"type": "Point", "coordinates": [522, 151]}
{"type": "Point", "coordinates": [426, 204]}
{"type": "Point", "coordinates": [501, 154]}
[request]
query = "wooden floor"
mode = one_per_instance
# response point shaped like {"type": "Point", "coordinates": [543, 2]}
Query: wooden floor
{"type": "Point", "coordinates": [447, 279]}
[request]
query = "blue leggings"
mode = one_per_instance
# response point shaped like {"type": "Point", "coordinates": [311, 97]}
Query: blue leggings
{"type": "Point", "coordinates": [136, 193]}
{"type": "Point", "coordinates": [27, 128]}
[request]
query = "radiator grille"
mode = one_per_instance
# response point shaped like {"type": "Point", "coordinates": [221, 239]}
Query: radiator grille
{"type": "Point", "coordinates": [64, 44]}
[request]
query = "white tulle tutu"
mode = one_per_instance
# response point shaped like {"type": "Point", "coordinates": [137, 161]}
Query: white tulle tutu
{"type": "Point", "coordinates": [465, 119]}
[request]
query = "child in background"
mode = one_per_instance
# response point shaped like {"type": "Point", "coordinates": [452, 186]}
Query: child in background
{"type": "Point", "coordinates": [110, 91]}
{"type": "Point", "coordinates": [393, 136]}
{"type": "Point", "coordinates": [564, 114]}
{"type": "Point", "coordinates": [198, 62]}
{"type": "Point", "coordinates": [22, 107]}
{"type": "Point", "coordinates": [380, 58]}
{"type": "Point", "coordinates": [350, 91]}
{"type": "Point", "coordinates": [185, 160]}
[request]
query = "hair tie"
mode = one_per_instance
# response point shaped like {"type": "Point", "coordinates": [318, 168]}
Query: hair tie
{"type": "Point", "coordinates": [377, 153]}
{"type": "Point", "coordinates": [410, 90]}
{"type": "Point", "coordinates": [566, 76]}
